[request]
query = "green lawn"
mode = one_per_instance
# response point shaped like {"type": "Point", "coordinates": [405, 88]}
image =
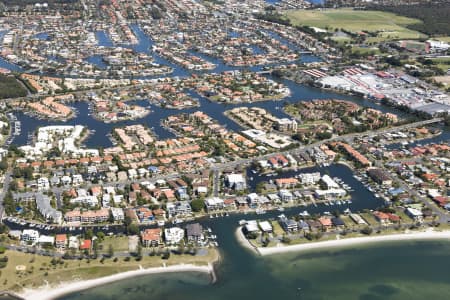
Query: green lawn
{"type": "Point", "coordinates": [443, 38]}
{"type": "Point", "coordinates": [38, 270]}
{"type": "Point", "coordinates": [442, 63]}
{"type": "Point", "coordinates": [119, 243]}
{"type": "Point", "coordinates": [389, 26]}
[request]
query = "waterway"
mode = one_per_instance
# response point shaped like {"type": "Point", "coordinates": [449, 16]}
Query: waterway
{"type": "Point", "coordinates": [407, 270]}
{"type": "Point", "coordinates": [99, 137]}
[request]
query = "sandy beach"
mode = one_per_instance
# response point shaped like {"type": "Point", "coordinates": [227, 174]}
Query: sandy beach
{"type": "Point", "coordinates": [345, 242]}
{"type": "Point", "coordinates": [49, 292]}
{"type": "Point", "coordinates": [243, 240]}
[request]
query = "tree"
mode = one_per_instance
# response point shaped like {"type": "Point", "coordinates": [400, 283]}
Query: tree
{"type": "Point", "coordinates": [197, 205]}
{"type": "Point", "coordinates": [110, 250]}
{"type": "Point", "coordinates": [139, 251]}
{"type": "Point", "coordinates": [133, 229]}
{"type": "Point", "coordinates": [367, 230]}
{"type": "Point", "coordinates": [89, 234]}
{"type": "Point", "coordinates": [101, 235]}
{"type": "Point", "coordinates": [3, 164]}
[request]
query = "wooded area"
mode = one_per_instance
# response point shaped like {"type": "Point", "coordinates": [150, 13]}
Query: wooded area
{"type": "Point", "coordinates": [435, 16]}
{"type": "Point", "coordinates": [10, 87]}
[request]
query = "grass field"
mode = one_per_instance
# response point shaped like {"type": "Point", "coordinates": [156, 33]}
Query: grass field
{"type": "Point", "coordinates": [36, 270]}
{"type": "Point", "coordinates": [442, 63]}
{"type": "Point", "coordinates": [389, 26]}
{"type": "Point", "coordinates": [443, 38]}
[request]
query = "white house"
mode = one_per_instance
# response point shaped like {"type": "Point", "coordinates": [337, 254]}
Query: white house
{"type": "Point", "coordinates": [117, 214]}
{"type": "Point", "coordinates": [235, 181]}
{"type": "Point", "coordinates": [30, 235]}
{"type": "Point", "coordinates": [173, 235]}
{"type": "Point", "coordinates": [285, 195]}
{"type": "Point", "coordinates": [214, 203]}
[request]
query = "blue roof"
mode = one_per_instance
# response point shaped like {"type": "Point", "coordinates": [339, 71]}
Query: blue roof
{"type": "Point", "coordinates": [395, 192]}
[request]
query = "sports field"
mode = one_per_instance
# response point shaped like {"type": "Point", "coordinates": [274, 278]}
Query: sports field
{"type": "Point", "coordinates": [387, 25]}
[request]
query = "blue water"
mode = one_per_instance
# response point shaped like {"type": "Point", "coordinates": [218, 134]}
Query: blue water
{"type": "Point", "coordinates": [103, 39]}
{"type": "Point", "coordinates": [42, 36]}
{"type": "Point", "coordinates": [153, 120]}
{"type": "Point", "coordinates": [97, 60]}
{"type": "Point", "coordinates": [394, 272]}
{"type": "Point", "coordinates": [5, 64]}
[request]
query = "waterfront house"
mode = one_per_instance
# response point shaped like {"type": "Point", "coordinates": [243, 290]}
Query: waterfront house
{"type": "Point", "coordinates": [30, 236]}
{"type": "Point", "coordinates": [235, 181]}
{"type": "Point", "coordinates": [181, 208]}
{"type": "Point", "coordinates": [60, 241]}
{"type": "Point", "coordinates": [382, 217]}
{"type": "Point", "coordinates": [338, 222]}
{"type": "Point", "coordinates": [194, 233]}
{"type": "Point", "coordinates": [265, 226]}
{"type": "Point", "coordinates": [173, 235]}
{"type": "Point", "coordinates": [358, 219]}
{"type": "Point", "coordinates": [286, 183]}
{"type": "Point", "coordinates": [302, 225]}
{"type": "Point", "coordinates": [288, 225]}
{"type": "Point", "coordinates": [253, 200]}
{"type": "Point", "coordinates": [229, 204]}
{"type": "Point", "coordinates": [251, 226]}
{"type": "Point", "coordinates": [151, 237]}
{"type": "Point", "coordinates": [414, 214]}
{"type": "Point", "coordinates": [213, 204]}
{"type": "Point", "coordinates": [326, 223]}
{"type": "Point", "coordinates": [285, 195]}
{"type": "Point", "coordinates": [380, 176]}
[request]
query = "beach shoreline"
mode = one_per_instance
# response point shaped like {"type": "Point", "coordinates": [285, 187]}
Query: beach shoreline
{"type": "Point", "coordinates": [346, 242]}
{"type": "Point", "coordinates": [244, 242]}
{"type": "Point", "coordinates": [64, 288]}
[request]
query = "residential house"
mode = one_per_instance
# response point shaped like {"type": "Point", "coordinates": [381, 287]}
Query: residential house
{"type": "Point", "coordinates": [194, 233]}
{"type": "Point", "coordinates": [173, 235]}
{"type": "Point", "coordinates": [151, 237]}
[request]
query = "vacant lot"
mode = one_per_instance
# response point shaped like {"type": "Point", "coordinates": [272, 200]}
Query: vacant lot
{"type": "Point", "coordinates": [386, 25]}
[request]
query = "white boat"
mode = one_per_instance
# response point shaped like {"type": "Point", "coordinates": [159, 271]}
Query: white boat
{"type": "Point", "coordinates": [242, 222]}
{"type": "Point", "coordinates": [260, 211]}
{"type": "Point", "coordinates": [304, 213]}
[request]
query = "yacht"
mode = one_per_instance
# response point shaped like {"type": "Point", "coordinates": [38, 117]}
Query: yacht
{"type": "Point", "coordinates": [242, 222]}
{"type": "Point", "coordinates": [260, 211]}
{"type": "Point", "coordinates": [304, 213]}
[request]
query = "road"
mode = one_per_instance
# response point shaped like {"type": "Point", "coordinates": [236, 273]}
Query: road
{"type": "Point", "coordinates": [4, 190]}
{"type": "Point", "coordinates": [218, 167]}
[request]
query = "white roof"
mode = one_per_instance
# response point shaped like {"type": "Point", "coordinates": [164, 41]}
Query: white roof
{"type": "Point", "coordinates": [30, 232]}
{"type": "Point", "coordinates": [252, 226]}
{"type": "Point", "coordinates": [329, 182]}
{"type": "Point", "coordinates": [265, 226]}
{"type": "Point", "coordinates": [235, 178]}
{"type": "Point", "coordinates": [46, 239]}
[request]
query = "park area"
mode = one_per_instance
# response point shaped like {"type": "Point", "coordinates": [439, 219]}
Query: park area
{"type": "Point", "coordinates": [385, 25]}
